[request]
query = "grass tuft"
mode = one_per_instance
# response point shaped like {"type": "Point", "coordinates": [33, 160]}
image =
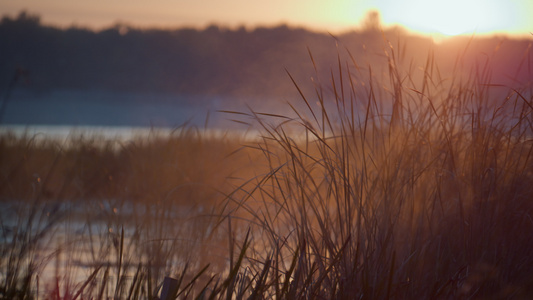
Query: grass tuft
{"type": "Point", "coordinates": [403, 182]}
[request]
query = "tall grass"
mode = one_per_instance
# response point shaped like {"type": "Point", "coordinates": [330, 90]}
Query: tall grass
{"type": "Point", "coordinates": [383, 183]}
{"type": "Point", "coordinates": [419, 189]}
{"type": "Point", "coordinates": [95, 218]}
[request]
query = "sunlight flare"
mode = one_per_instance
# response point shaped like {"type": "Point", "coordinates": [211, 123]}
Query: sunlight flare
{"type": "Point", "coordinates": [450, 17]}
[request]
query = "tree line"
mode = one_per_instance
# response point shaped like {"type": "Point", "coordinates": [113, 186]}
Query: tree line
{"type": "Point", "coordinates": [209, 61]}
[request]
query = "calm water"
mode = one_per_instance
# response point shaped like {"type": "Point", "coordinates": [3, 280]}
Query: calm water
{"type": "Point", "coordinates": [104, 108]}
{"type": "Point", "coordinates": [68, 240]}
{"type": "Point", "coordinates": [79, 236]}
{"type": "Point", "coordinates": [126, 109]}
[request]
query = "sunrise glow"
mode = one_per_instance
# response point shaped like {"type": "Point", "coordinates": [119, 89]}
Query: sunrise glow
{"type": "Point", "coordinates": [449, 17]}
{"type": "Point", "coordinates": [452, 17]}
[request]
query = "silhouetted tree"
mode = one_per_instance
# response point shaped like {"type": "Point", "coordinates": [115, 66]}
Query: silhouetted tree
{"type": "Point", "coordinates": [372, 21]}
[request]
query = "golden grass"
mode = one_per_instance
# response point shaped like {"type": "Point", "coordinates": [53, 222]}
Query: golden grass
{"type": "Point", "coordinates": [409, 188]}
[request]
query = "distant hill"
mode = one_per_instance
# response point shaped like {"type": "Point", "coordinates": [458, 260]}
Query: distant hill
{"type": "Point", "coordinates": [220, 61]}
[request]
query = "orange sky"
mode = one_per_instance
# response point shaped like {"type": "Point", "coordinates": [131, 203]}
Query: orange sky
{"type": "Point", "coordinates": [428, 16]}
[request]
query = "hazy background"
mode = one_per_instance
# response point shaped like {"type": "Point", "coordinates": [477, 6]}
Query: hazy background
{"type": "Point", "coordinates": [166, 63]}
{"type": "Point", "coordinates": [427, 16]}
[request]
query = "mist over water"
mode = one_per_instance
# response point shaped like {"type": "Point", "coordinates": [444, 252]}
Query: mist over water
{"type": "Point", "coordinates": [61, 114]}
{"type": "Point", "coordinates": [105, 108]}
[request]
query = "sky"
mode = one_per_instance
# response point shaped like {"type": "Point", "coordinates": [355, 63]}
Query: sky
{"type": "Point", "coordinates": [448, 17]}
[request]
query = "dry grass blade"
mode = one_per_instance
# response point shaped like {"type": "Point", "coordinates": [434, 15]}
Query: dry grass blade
{"type": "Point", "coordinates": [89, 280]}
{"type": "Point", "coordinates": [260, 285]}
{"type": "Point", "coordinates": [187, 288]}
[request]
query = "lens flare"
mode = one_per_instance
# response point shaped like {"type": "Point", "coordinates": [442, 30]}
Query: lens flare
{"type": "Point", "coordinates": [451, 17]}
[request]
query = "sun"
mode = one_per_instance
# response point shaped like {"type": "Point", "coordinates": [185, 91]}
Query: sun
{"type": "Point", "coordinates": [449, 17]}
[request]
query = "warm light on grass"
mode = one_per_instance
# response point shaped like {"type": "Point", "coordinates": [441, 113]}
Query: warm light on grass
{"type": "Point", "coordinates": [379, 185]}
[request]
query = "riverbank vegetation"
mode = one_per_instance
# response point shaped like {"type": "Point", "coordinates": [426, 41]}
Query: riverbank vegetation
{"type": "Point", "coordinates": [395, 183]}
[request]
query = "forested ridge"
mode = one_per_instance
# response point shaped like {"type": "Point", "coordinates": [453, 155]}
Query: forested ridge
{"type": "Point", "coordinates": [214, 60]}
